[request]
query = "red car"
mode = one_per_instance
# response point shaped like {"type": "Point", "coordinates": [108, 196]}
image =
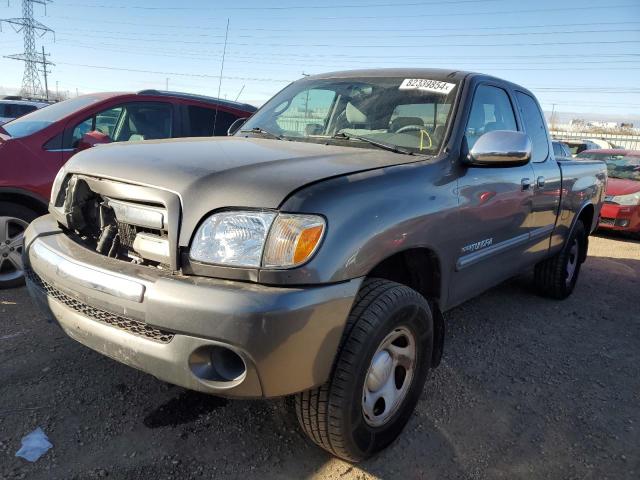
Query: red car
{"type": "Point", "coordinates": [35, 146]}
{"type": "Point", "coordinates": [621, 210]}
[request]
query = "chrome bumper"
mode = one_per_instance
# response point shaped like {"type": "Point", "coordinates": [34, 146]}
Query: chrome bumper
{"type": "Point", "coordinates": [155, 321]}
{"type": "Point", "coordinates": [58, 266]}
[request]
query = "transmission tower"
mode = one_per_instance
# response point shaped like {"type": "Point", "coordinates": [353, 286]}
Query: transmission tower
{"type": "Point", "coordinates": [31, 85]}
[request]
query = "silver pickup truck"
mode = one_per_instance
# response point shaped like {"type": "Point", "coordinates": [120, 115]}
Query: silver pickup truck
{"type": "Point", "coordinates": [313, 252]}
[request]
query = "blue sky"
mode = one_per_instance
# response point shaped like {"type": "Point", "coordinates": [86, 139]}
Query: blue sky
{"type": "Point", "coordinates": [582, 55]}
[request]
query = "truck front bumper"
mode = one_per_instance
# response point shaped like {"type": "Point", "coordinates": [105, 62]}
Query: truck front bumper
{"type": "Point", "coordinates": [222, 337]}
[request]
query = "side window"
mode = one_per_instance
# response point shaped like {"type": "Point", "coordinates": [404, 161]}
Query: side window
{"type": "Point", "coordinates": [557, 150]}
{"type": "Point", "coordinates": [490, 110]}
{"type": "Point", "coordinates": [104, 122]}
{"type": "Point", "coordinates": [79, 130]}
{"type": "Point", "coordinates": [534, 126]}
{"type": "Point", "coordinates": [203, 119]}
{"type": "Point", "coordinates": [144, 121]}
{"type": "Point", "coordinates": [223, 122]}
{"type": "Point", "coordinates": [24, 109]}
{"type": "Point", "coordinates": [307, 112]}
{"type": "Point", "coordinates": [200, 121]}
{"type": "Point", "coordinates": [54, 143]}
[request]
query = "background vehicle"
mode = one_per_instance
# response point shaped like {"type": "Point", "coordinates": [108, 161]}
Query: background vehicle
{"type": "Point", "coordinates": [318, 247]}
{"type": "Point", "coordinates": [561, 149]}
{"type": "Point", "coordinates": [578, 146]}
{"type": "Point", "coordinates": [602, 143]}
{"type": "Point", "coordinates": [35, 146]}
{"type": "Point", "coordinates": [12, 109]}
{"type": "Point", "coordinates": [621, 209]}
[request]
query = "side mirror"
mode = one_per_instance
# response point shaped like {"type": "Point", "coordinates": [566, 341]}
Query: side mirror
{"type": "Point", "coordinates": [501, 148]}
{"type": "Point", "coordinates": [235, 126]}
{"type": "Point", "coordinates": [91, 139]}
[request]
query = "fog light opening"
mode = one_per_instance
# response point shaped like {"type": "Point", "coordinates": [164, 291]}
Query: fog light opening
{"type": "Point", "coordinates": [217, 364]}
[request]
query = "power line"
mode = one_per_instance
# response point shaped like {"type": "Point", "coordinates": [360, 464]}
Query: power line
{"type": "Point", "coordinates": [436, 28]}
{"type": "Point", "coordinates": [200, 75]}
{"type": "Point", "coordinates": [466, 45]}
{"type": "Point", "coordinates": [134, 37]}
{"type": "Point", "coordinates": [416, 15]}
{"type": "Point", "coordinates": [612, 89]}
{"type": "Point", "coordinates": [240, 57]}
{"type": "Point", "coordinates": [281, 8]}
{"type": "Point", "coordinates": [376, 31]}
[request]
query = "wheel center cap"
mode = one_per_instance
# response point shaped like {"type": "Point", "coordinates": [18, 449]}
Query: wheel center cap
{"type": "Point", "coordinates": [380, 370]}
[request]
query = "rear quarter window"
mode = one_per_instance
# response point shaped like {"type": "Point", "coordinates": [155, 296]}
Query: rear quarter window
{"type": "Point", "coordinates": [534, 126]}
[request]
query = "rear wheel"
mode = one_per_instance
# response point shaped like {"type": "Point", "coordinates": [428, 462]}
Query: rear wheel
{"type": "Point", "coordinates": [14, 220]}
{"type": "Point", "coordinates": [379, 373]}
{"type": "Point", "coordinates": [556, 277]}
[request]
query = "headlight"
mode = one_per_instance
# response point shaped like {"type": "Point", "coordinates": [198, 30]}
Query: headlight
{"type": "Point", "coordinates": [57, 183]}
{"type": "Point", "coordinates": [631, 199]}
{"type": "Point", "coordinates": [254, 239]}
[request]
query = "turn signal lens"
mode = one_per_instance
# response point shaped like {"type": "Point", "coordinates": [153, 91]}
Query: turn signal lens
{"type": "Point", "coordinates": [307, 242]}
{"type": "Point", "coordinates": [292, 240]}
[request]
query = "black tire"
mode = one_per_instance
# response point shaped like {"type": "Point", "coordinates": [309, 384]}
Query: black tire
{"type": "Point", "coordinates": [12, 211]}
{"type": "Point", "coordinates": [332, 415]}
{"type": "Point", "coordinates": [554, 277]}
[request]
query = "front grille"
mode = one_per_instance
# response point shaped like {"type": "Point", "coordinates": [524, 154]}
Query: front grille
{"type": "Point", "coordinates": [127, 234]}
{"type": "Point", "coordinates": [607, 221]}
{"type": "Point", "coordinates": [129, 325]}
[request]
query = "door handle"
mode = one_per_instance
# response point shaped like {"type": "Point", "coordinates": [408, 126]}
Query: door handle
{"type": "Point", "coordinates": [526, 183]}
{"type": "Point", "coordinates": [540, 181]}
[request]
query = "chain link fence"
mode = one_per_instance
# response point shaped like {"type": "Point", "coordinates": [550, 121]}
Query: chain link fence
{"type": "Point", "coordinates": [615, 140]}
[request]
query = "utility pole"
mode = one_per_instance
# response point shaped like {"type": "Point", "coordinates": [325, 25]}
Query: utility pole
{"type": "Point", "coordinates": [44, 71]}
{"type": "Point", "coordinates": [31, 86]}
{"type": "Point", "coordinates": [167, 84]}
{"type": "Point", "coordinates": [57, 92]}
{"type": "Point", "coordinates": [553, 116]}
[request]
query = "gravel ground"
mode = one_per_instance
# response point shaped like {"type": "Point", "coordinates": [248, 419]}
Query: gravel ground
{"type": "Point", "coordinates": [528, 388]}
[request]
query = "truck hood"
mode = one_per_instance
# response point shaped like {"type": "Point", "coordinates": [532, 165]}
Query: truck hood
{"type": "Point", "coordinates": [212, 173]}
{"type": "Point", "coordinates": [622, 186]}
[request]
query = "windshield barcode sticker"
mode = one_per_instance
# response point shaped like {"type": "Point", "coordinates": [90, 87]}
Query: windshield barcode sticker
{"type": "Point", "coordinates": [427, 85]}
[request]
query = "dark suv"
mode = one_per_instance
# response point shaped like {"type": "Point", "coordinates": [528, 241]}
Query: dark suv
{"type": "Point", "coordinates": [35, 146]}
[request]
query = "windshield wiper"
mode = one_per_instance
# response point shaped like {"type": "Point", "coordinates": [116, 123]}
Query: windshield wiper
{"type": "Point", "coordinates": [382, 145]}
{"type": "Point", "coordinates": [263, 132]}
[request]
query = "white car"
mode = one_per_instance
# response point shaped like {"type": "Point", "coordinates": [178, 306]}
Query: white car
{"type": "Point", "coordinates": [11, 109]}
{"type": "Point", "coordinates": [602, 143]}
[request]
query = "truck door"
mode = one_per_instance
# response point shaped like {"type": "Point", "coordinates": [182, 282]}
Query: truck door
{"type": "Point", "coordinates": [495, 204]}
{"type": "Point", "coordinates": [547, 182]}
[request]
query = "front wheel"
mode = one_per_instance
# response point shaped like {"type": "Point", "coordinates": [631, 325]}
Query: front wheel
{"type": "Point", "coordinates": [14, 220]}
{"type": "Point", "coordinates": [380, 370]}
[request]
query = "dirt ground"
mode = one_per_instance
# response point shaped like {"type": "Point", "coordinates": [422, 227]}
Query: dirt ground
{"type": "Point", "coordinates": [528, 388]}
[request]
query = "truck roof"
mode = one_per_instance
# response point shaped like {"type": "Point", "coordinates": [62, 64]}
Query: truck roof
{"type": "Point", "coordinates": [440, 74]}
{"type": "Point", "coordinates": [433, 73]}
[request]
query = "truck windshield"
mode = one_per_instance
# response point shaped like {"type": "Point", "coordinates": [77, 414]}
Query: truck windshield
{"type": "Point", "coordinates": [618, 165]}
{"type": "Point", "coordinates": [409, 114]}
{"type": "Point", "coordinates": [35, 121]}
